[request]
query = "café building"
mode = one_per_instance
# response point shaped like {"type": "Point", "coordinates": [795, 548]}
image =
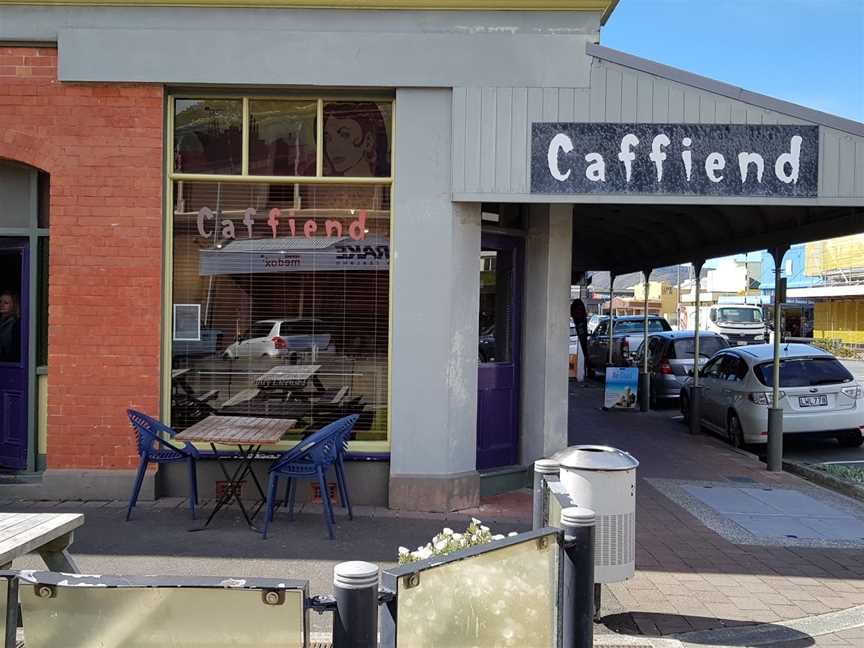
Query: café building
{"type": "Point", "coordinates": [393, 195]}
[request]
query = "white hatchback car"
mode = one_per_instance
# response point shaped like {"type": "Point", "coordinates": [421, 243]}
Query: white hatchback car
{"type": "Point", "coordinates": [818, 394]}
{"type": "Point", "coordinates": [279, 337]}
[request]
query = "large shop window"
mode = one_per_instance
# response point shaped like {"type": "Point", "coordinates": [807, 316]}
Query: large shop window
{"type": "Point", "coordinates": [281, 290]}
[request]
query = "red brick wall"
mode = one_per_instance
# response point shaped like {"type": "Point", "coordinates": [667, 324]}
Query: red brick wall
{"type": "Point", "coordinates": [102, 145]}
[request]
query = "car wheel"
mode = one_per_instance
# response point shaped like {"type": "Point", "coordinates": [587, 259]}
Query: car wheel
{"type": "Point", "coordinates": [851, 439]}
{"type": "Point", "coordinates": [685, 406]}
{"type": "Point", "coordinates": [734, 432]}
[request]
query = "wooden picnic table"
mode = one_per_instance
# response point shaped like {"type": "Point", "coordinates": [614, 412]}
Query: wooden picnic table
{"type": "Point", "coordinates": [248, 433]}
{"type": "Point", "coordinates": [287, 376]}
{"type": "Point", "coordinates": [48, 534]}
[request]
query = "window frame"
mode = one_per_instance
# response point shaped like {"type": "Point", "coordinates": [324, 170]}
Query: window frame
{"type": "Point", "coordinates": [368, 449]}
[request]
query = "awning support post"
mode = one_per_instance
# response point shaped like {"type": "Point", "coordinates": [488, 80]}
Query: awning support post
{"type": "Point", "coordinates": [775, 412]}
{"type": "Point", "coordinates": [695, 388]}
{"type": "Point", "coordinates": [644, 376]}
{"type": "Point", "coordinates": [611, 313]}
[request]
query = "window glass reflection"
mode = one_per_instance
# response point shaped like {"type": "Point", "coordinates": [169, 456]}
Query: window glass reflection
{"type": "Point", "coordinates": [496, 306]}
{"type": "Point", "coordinates": [282, 138]}
{"type": "Point", "coordinates": [208, 136]}
{"type": "Point", "coordinates": [357, 139]}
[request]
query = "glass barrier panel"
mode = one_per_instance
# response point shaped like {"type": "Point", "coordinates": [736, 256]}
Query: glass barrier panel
{"type": "Point", "coordinates": [4, 596]}
{"type": "Point", "coordinates": [146, 617]}
{"type": "Point", "coordinates": [504, 597]}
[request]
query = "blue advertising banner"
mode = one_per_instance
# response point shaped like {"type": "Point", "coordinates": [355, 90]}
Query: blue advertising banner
{"type": "Point", "coordinates": [622, 388]}
{"type": "Point", "coordinates": [677, 159]}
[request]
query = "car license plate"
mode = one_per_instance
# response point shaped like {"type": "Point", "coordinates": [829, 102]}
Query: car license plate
{"type": "Point", "coordinates": [813, 401]}
{"type": "Point", "coordinates": [742, 343]}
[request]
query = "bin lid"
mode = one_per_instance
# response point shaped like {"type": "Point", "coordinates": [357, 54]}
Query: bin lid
{"type": "Point", "coordinates": [595, 457]}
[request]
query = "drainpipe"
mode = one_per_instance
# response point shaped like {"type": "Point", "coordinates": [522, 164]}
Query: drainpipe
{"type": "Point", "coordinates": [644, 376]}
{"type": "Point", "coordinates": [775, 412]}
{"type": "Point", "coordinates": [696, 388]}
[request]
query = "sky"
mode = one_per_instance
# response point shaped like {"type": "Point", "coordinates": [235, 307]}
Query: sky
{"type": "Point", "coordinates": [810, 52]}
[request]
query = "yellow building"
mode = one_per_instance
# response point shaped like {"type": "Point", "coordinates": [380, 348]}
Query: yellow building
{"type": "Point", "coordinates": [839, 304]}
{"type": "Point", "coordinates": [658, 292]}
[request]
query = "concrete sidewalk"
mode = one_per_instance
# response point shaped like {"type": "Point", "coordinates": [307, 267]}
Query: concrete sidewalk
{"type": "Point", "coordinates": [702, 578]}
{"type": "Point", "coordinates": [699, 570]}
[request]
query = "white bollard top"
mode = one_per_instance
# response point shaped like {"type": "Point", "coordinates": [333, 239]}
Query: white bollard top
{"type": "Point", "coordinates": [355, 574]}
{"type": "Point", "coordinates": [546, 466]}
{"type": "Point", "coordinates": [578, 516]}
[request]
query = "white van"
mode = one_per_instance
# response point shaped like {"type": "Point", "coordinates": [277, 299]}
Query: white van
{"type": "Point", "coordinates": [740, 324]}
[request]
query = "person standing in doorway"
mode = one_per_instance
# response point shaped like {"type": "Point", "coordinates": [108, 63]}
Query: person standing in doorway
{"type": "Point", "coordinates": [10, 328]}
{"type": "Point", "coordinates": [580, 321]}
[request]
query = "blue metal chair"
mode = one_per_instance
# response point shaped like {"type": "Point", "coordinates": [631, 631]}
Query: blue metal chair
{"type": "Point", "coordinates": [159, 450]}
{"type": "Point", "coordinates": [311, 459]}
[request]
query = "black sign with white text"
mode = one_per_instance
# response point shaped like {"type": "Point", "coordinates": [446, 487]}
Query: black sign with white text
{"type": "Point", "coordinates": [677, 159]}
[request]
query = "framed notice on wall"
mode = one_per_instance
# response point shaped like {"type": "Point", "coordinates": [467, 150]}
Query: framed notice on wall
{"type": "Point", "coordinates": [187, 322]}
{"type": "Point", "coordinates": [622, 388]}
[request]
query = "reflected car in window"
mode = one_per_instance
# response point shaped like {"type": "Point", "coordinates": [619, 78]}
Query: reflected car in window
{"type": "Point", "coordinates": [280, 337]}
{"type": "Point", "coordinates": [670, 359]}
{"type": "Point", "coordinates": [818, 395]}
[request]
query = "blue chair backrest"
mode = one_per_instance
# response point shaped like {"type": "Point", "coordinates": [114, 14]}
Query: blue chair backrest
{"type": "Point", "coordinates": [147, 430]}
{"type": "Point", "coordinates": [321, 447]}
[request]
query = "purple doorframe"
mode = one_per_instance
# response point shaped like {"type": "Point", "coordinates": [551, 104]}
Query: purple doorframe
{"type": "Point", "coordinates": [498, 383]}
{"type": "Point", "coordinates": [14, 378]}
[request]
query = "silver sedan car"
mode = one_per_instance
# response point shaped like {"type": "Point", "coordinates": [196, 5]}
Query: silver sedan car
{"type": "Point", "coordinates": [818, 395]}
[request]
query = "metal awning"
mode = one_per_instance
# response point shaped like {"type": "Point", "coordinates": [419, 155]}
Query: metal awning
{"type": "Point", "coordinates": [632, 237]}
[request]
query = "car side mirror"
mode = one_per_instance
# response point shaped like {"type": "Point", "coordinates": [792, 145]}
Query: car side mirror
{"type": "Point", "coordinates": [690, 372]}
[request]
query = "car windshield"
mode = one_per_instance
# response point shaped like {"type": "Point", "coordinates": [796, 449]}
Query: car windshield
{"type": "Point", "coordinates": [739, 315]}
{"type": "Point", "coordinates": [638, 326]}
{"type": "Point", "coordinates": [804, 372]}
{"type": "Point", "coordinates": [684, 348]}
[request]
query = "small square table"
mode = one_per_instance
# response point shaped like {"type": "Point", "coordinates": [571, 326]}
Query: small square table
{"type": "Point", "coordinates": [248, 434]}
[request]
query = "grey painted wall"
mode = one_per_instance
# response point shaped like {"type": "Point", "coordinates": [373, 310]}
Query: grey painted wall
{"type": "Point", "coordinates": [493, 124]}
{"type": "Point", "coordinates": [543, 406]}
{"type": "Point", "coordinates": [319, 58]}
{"type": "Point", "coordinates": [310, 48]}
{"type": "Point", "coordinates": [435, 295]}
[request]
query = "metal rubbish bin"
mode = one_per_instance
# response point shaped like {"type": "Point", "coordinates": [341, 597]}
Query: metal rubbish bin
{"type": "Point", "coordinates": [604, 479]}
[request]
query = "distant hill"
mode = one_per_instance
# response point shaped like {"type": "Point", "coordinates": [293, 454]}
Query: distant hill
{"type": "Point", "coordinates": [667, 275]}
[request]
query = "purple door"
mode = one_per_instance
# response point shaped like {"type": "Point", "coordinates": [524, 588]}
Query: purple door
{"type": "Point", "coordinates": [500, 331]}
{"type": "Point", "coordinates": [14, 300]}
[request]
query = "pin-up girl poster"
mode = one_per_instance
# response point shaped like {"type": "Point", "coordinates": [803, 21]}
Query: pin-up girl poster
{"type": "Point", "coordinates": [356, 139]}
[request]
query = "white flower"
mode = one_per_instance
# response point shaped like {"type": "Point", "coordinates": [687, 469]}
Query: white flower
{"type": "Point", "coordinates": [447, 531]}
{"type": "Point", "coordinates": [424, 552]}
{"type": "Point", "coordinates": [475, 521]}
{"type": "Point", "coordinates": [484, 529]}
{"type": "Point", "coordinates": [404, 551]}
{"type": "Point", "coordinates": [457, 536]}
{"type": "Point", "coordinates": [439, 546]}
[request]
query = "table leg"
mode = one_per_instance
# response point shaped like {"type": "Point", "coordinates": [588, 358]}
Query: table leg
{"type": "Point", "coordinates": [56, 555]}
{"type": "Point", "coordinates": [249, 456]}
{"type": "Point", "coordinates": [232, 484]}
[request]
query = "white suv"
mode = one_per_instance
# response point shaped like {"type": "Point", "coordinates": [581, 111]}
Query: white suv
{"type": "Point", "coordinates": [818, 394]}
{"type": "Point", "coordinates": [280, 337]}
